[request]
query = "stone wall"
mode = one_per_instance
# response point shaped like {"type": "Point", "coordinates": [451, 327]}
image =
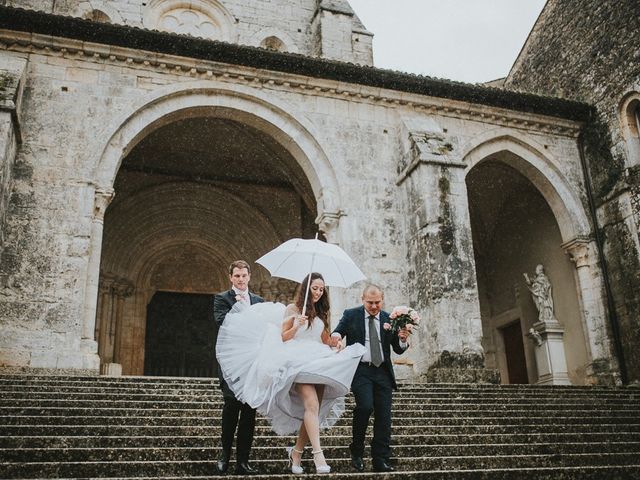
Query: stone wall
{"type": "Point", "coordinates": [386, 169]}
{"type": "Point", "coordinates": [588, 51]}
{"type": "Point", "coordinates": [329, 29]}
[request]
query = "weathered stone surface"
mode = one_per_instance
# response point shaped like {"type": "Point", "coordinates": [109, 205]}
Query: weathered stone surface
{"type": "Point", "coordinates": [598, 64]}
{"type": "Point", "coordinates": [216, 152]}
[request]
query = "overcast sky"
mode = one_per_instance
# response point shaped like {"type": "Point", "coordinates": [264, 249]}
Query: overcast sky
{"type": "Point", "coordinates": [465, 40]}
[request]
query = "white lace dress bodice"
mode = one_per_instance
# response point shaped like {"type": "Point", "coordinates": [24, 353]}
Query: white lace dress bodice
{"type": "Point", "coordinates": [261, 369]}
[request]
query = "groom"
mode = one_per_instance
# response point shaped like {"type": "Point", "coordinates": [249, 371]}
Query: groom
{"type": "Point", "coordinates": [239, 275]}
{"type": "Point", "coordinates": [374, 380]}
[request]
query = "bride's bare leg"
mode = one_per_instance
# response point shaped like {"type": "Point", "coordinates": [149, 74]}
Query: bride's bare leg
{"type": "Point", "coordinates": [301, 442]}
{"type": "Point", "coordinates": [309, 397]}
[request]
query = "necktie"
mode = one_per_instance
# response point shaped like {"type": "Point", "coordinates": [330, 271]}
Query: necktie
{"type": "Point", "coordinates": [374, 342]}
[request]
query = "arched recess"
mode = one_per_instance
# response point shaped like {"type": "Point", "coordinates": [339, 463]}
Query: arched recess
{"type": "Point", "coordinates": [159, 218]}
{"type": "Point", "coordinates": [288, 44]}
{"type": "Point", "coordinates": [541, 169]}
{"type": "Point", "coordinates": [172, 237]}
{"type": "Point", "coordinates": [93, 9]}
{"type": "Point", "coordinates": [523, 212]}
{"type": "Point", "coordinates": [630, 123]}
{"type": "Point", "coordinates": [265, 113]}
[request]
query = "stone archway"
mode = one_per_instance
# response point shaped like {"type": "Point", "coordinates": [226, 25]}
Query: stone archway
{"type": "Point", "coordinates": [197, 187]}
{"type": "Point", "coordinates": [524, 213]}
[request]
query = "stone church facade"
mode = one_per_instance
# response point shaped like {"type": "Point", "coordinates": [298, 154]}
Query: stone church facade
{"type": "Point", "coordinates": [143, 146]}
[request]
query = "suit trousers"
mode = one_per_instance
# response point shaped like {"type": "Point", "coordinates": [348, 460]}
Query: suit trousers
{"type": "Point", "coordinates": [240, 415]}
{"type": "Point", "coordinates": [372, 389]}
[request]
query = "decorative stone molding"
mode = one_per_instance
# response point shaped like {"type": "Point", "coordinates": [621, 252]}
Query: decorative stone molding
{"type": "Point", "coordinates": [578, 251]}
{"type": "Point", "coordinates": [429, 148]}
{"type": "Point", "coordinates": [103, 198]}
{"type": "Point", "coordinates": [160, 63]}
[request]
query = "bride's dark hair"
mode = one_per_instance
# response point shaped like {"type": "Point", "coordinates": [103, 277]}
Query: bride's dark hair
{"type": "Point", "coordinates": [320, 308]}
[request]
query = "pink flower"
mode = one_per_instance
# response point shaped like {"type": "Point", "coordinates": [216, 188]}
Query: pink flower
{"type": "Point", "coordinates": [386, 326]}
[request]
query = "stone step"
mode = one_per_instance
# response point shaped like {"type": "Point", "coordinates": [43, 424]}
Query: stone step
{"type": "Point", "coordinates": [331, 451]}
{"type": "Point", "coordinates": [507, 427]}
{"type": "Point", "coordinates": [612, 472]}
{"type": "Point", "coordinates": [189, 404]}
{"type": "Point", "coordinates": [412, 418]}
{"type": "Point", "coordinates": [171, 382]}
{"type": "Point", "coordinates": [408, 410]}
{"type": "Point", "coordinates": [152, 383]}
{"type": "Point", "coordinates": [406, 417]}
{"type": "Point", "coordinates": [206, 441]}
{"type": "Point", "coordinates": [215, 397]}
{"type": "Point", "coordinates": [206, 467]}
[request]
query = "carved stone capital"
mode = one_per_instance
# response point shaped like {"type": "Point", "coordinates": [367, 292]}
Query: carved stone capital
{"type": "Point", "coordinates": [578, 251]}
{"type": "Point", "coordinates": [328, 222]}
{"type": "Point", "coordinates": [102, 200]}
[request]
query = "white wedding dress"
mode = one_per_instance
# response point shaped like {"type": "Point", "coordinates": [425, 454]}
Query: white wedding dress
{"type": "Point", "coordinates": [260, 368]}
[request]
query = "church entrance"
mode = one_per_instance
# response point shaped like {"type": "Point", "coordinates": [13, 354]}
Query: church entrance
{"type": "Point", "coordinates": [514, 230]}
{"type": "Point", "coordinates": [180, 339]}
{"type": "Point", "coordinates": [514, 353]}
{"type": "Point", "coordinates": [200, 190]}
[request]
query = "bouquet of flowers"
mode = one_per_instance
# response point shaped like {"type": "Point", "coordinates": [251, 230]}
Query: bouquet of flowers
{"type": "Point", "coordinates": [403, 317]}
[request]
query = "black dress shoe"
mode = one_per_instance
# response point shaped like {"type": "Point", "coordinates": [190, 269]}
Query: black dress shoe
{"type": "Point", "coordinates": [382, 466]}
{"type": "Point", "coordinates": [243, 468]}
{"type": "Point", "coordinates": [357, 463]}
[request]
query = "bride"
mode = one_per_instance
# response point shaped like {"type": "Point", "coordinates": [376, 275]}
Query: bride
{"type": "Point", "coordinates": [280, 362]}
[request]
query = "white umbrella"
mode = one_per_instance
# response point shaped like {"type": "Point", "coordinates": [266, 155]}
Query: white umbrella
{"type": "Point", "coordinates": [296, 258]}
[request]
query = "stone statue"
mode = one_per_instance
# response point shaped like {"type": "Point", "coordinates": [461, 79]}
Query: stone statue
{"type": "Point", "coordinates": [540, 289]}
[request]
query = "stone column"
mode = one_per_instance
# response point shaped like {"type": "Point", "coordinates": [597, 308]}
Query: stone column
{"type": "Point", "coordinates": [440, 265]}
{"type": "Point", "coordinates": [582, 252]}
{"type": "Point", "coordinates": [328, 221]}
{"type": "Point", "coordinates": [111, 364]}
{"type": "Point", "coordinates": [88, 343]}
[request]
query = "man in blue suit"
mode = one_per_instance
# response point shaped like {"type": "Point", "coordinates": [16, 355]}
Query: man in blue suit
{"type": "Point", "coordinates": [374, 380]}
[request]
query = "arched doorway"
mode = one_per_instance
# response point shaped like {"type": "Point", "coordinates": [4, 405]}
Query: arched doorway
{"type": "Point", "coordinates": [201, 188]}
{"type": "Point", "coordinates": [515, 229]}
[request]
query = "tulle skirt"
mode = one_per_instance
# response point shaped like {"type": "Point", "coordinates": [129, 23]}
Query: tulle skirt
{"type": "Point", "coordinates": [261, 369]}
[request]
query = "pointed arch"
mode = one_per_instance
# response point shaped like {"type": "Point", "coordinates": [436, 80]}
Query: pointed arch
{"type": "Point", "coordinates": [541, 169]}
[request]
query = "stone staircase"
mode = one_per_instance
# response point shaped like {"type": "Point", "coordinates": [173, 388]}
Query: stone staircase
{"type": "Point", "coordinates": [153, 427]}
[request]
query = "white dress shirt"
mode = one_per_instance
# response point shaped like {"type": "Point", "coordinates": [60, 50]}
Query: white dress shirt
{"type": "Point", "coordinates": [246, 299]}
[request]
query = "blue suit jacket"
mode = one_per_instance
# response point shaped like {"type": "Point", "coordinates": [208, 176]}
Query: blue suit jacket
{"type": "Point", "coordinates": [352, 326]}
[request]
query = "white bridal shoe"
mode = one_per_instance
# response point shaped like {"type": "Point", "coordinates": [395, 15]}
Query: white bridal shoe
{"type": "Point", "coordinates": [296, 469]}
{"type": "Point", "coordinates": [320, 468]}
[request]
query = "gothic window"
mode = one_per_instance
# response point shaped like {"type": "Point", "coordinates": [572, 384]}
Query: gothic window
{"type": "Point", "coordinates": [273, 43]}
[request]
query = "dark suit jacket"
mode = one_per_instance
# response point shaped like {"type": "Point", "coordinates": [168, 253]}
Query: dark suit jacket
{"type": "Point", "coordinates": [222, 303]}
{"type": "Point", "coordinates": [352, 326]}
